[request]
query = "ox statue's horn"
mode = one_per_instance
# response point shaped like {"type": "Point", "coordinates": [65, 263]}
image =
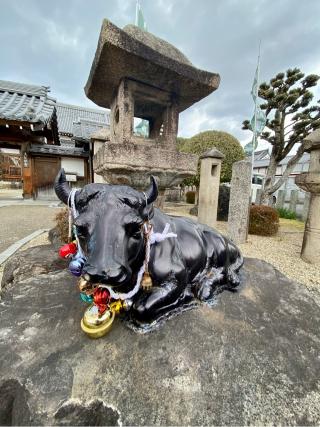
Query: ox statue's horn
{"type": "Point", "coordinates": [61, 187]}
{"type": "Point", "coordinates": [152, 192]}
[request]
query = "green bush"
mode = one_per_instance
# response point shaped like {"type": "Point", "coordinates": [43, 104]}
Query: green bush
{"type": "Point", "coordinates": [191, 197]}
{"type": "Point", "coordinates": [263, 220]}
{"type": "Point", "coordinates": [222, 141]}
{"type": "Point", "coordinates": [286, 213]}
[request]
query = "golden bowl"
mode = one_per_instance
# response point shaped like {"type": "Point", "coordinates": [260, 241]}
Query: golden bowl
{"type": "Point", "coordinates": [94, 325]}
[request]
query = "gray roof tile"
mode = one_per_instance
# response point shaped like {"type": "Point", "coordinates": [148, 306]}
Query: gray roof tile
{"type": "Point", "coordinates": [84, 129]}
{"type": "Point", "coordinates": [68, 114]}
{"type": "Point", "coordinates": [24, 102]}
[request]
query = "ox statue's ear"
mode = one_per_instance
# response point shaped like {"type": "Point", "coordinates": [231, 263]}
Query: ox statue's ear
{"type": "Point", "coordinates": [152, 192]}
{"type": "Point", "coordinates": [61, 187]}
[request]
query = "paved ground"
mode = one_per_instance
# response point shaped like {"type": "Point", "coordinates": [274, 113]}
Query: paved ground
{"type": "Point", "coordinates": [10, 193]}
{"type": "Point", "coordinates": [18, 221]}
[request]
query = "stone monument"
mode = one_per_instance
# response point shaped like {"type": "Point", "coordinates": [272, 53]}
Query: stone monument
{"type": "Point", "coordinates": [240, 192]}
{"type": "Point", "coordinates": [138, 75]}
{"type": "Point", "coordinates": [209, 186]}
{"type": "Point", "coordinates": [310, 181]}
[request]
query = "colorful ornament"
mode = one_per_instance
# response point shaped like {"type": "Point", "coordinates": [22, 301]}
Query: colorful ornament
{"type": "Point", "coordinates": [101, 298]}
{"type": "Point", "coordinates": [86, 298]}
{"type": "Point", "coordinates": [76, 265]}
{"type": "Point", "coordinates": [67, 250]}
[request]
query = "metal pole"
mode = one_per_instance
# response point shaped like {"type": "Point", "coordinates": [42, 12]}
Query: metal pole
{"type": "Point", "coordinates": [255, 114]}
{"type": "Point", "coordinates": [137, 12]}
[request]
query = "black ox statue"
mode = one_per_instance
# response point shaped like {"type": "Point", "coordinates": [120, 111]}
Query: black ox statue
{"type": "Point", "coordinates": [197, 263]}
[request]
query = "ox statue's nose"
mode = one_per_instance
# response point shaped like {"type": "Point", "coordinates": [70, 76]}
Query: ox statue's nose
{"type": "Point", "coordinates": [113, 275]}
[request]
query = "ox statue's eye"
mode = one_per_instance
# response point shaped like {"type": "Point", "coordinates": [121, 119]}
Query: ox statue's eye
{"type": "Point", "coordinates": [137, 234]}
{"type": "Point", "coordinates": [81, 230]}
{"type": "Point", "coordinates": [134, 230]}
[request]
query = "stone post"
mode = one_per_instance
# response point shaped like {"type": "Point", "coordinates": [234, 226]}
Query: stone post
{"type": "Point", "coordinates": [310, 181]}
{"type": "Point", "coordinates": [305, 208]}
{"type": "Point", "coordinates": [258, 196]}
{"type": "Point", "coordinates": [239, 204]}
{"type": "Point", "coordinates": [293, 200]}
{"type": "Point", "coordinates": [281, 198]}
{"type": "Point", "coordinates": [209, 186]}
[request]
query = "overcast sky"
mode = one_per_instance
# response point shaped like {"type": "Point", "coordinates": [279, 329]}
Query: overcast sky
{"type": "Point", "coordinates": [52, 43]}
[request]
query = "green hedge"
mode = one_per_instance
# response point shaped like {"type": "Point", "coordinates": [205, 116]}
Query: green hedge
{"type": "Point", "coordinates": [286, 213]}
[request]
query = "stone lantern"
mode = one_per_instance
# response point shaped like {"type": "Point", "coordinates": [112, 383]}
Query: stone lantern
{"type": "Point", "coordinates": [310, 181]}
{"type": "Point", "coordinates": [138, 75]}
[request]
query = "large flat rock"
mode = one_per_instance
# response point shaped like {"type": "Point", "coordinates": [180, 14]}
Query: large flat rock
{"type": "Point", "coordinates": [251, 359]}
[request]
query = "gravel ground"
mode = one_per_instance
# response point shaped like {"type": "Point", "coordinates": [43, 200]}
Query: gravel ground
{"type": "Point", "coordinates": [282, 250]}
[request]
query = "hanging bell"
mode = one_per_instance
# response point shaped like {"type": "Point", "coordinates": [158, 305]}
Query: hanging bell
{"type": "Point", "coordinates": [96, 325]}
{"type": "Point", "coordinates": [85, 285]}
{"type": "Point", "coordinates": [117, 306]}
{"type": "Point", "coordinates": [146, 282]}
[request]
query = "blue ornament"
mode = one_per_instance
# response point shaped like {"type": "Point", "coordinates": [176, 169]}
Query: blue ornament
{"type": "Point", "coordinates": [76, 265]}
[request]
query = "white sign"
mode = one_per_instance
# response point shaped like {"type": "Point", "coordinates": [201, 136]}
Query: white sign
{"type": "Point", "coordinates": [73, 166]}
{"type": "Point", "coordinates": [71, 178]}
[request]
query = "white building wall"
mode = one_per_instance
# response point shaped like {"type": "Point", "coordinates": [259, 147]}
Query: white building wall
{"type": "Point", "coordinates": [73, 166]}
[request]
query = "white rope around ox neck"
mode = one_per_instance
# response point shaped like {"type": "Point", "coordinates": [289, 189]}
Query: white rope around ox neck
{"type": "Point", "coordinates": [153, 238]}
{"type": "Point", "coordinates": [73, 213]}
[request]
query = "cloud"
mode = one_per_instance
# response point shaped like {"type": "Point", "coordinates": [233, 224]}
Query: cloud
{"type": "Point", "coordinates": [54, 43]}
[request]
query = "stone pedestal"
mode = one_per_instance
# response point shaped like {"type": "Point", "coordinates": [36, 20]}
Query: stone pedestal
{"type": "Point", "coordinates": [310, 181]}
{"type": "Point", "coordinates": [209, 186]}
{"type": "Point", "coordinates": [239, 204]}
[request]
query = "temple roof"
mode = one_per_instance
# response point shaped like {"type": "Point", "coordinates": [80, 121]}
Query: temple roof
{"type": "Point", "coordinates": [25, 103]}
{"type": "Point", "coordinates": [67, 114]}
{"type": "Point", "coordinates": [84, 129]}
{"type": "Point", "coordinates": [57, 150]}
{"type": "Point", "coordinates": [138, 55]}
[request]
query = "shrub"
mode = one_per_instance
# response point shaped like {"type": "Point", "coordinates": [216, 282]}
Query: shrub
{"type": "Point", "coordinates": [286, 213]}
{"type": "Point", "coordinates": [263, 221]}
{"type": "Point", "coordinates": [191, 197]}
{"type": "Point", "coordinates": [62, 224]}
{"type": "Point", "coordinates": [203, 141]}
{"type": "Point", "coordinates": [223, 203]}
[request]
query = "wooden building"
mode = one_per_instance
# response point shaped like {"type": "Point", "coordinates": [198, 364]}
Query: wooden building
{"type": "Point", "coordinates": [27, 115]}
{"type": "Point", "coordinates": [36, 139]}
